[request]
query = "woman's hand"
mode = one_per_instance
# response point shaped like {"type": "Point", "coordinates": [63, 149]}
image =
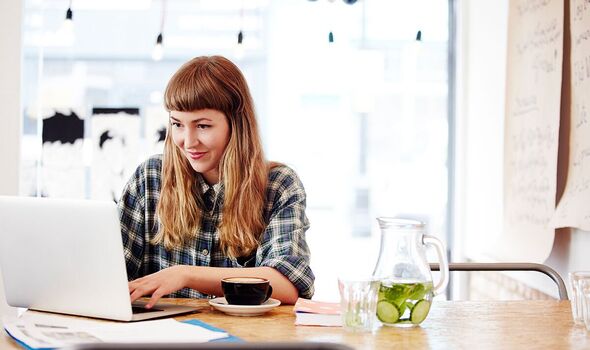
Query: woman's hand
{"type": "Point", "coordinates": [158, 284]}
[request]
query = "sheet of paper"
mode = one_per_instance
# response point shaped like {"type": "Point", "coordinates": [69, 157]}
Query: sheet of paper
{"type": "Point", "coordinates": [40, 330]}
{"type": "Point", "coordinates": [531, 138]}
{"type": "Point", "coordinates": [168, 330]}
{"type": "Point", "coordinates": [573, 209]}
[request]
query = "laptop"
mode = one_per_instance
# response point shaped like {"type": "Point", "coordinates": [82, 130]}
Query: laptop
{"type": "Point", "coordinates": [66, 256]}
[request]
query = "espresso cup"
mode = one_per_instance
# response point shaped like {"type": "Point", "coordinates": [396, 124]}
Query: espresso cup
{"type": "Point", "coordinates": [246, 290]}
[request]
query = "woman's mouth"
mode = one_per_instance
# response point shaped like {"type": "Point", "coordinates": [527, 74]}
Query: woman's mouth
{"type": "Point", "coordinates": [196, 155]}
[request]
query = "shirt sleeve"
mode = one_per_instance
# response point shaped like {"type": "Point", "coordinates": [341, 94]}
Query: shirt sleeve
{"type": "Point", "coordinates": [132, 218]}
{"type": "Point", "coordinates": [283, 245]}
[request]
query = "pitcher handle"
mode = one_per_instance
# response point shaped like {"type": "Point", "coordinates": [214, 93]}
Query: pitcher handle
{"type": "Point", "coordinates": [429, 240]}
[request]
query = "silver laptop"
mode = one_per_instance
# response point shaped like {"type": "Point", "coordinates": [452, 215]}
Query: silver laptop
{"type": "Point", "coordinates": [66, 256]}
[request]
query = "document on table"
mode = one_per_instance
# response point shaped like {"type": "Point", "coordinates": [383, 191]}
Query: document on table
{"type": "Point", "coordinates": [38, 330]}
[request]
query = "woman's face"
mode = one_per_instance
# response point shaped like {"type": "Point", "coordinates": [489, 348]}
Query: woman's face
{"type": "Point", "coordinates": [201, 136]}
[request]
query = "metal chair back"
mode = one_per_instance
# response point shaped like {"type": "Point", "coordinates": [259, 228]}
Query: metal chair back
{"type": "Point", "coordinates": [510, 267]}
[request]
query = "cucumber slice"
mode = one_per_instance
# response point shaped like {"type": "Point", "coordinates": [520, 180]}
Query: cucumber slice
{"type": "Point", "coordinates": [387, 312]}
{"type": "Point", "coordinates": [420, 311]}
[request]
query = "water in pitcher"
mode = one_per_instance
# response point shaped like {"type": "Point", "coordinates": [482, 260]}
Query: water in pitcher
{"type": "Point", "coordinates": [404, 303]}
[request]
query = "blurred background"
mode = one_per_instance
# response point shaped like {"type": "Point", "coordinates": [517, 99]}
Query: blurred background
{"type": "Point", "coordinates": [384, 108]}
{"type": "Point", "coordinates": [352, 95]}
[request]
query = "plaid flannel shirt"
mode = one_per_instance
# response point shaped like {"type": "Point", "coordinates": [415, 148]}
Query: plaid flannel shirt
{"type": "Point", "coordinates": [282, 245]}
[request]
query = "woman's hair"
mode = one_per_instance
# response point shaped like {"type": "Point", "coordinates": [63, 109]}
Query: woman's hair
{"type": "Point", "coordinates": [214, 83]}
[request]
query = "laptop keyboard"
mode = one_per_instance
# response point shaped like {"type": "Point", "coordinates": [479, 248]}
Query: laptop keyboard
{"type": "Point", "coordinates": [143, 310]}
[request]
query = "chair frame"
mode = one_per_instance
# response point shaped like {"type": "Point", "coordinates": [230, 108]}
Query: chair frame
{"type": "Point", "coordinates": [461, 266]}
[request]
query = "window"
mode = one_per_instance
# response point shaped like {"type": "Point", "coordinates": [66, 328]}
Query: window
{"type": "Point", "coordinates": [363, 120]}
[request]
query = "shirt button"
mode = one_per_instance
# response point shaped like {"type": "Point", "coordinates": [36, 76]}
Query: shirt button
{"type": "Point", "coordinates": [205, 252]}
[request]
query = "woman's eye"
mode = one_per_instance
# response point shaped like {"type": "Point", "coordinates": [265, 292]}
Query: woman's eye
{"type": "Point", "coordinates": [176, 125]}
{"type": "Point", "coordinates": [203, 126]}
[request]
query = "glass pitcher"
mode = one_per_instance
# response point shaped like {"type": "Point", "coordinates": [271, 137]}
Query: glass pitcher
{"type": "Point", "coordinates": [406, 289]}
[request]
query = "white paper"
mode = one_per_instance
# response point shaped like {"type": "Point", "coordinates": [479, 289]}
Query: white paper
{"type": "Point", "coordinates": [533, 95]}
{"type": "Point", "coordinates": [311, 319]}
{"type": "Point", "coordinates": [39, 330]}
{"type": "Point", "coordinates": [573, 209]}
{"type": "Point", "coordinates": [168, 330]}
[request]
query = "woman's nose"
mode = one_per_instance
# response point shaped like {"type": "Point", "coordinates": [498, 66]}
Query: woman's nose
{"type": "Point", "coordinates": [191, 137]}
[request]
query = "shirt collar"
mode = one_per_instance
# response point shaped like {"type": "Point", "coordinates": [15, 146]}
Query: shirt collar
{"type": "Point", "coordinates": [206, 187]}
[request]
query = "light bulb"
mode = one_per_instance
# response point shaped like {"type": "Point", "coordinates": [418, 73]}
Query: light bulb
{"type": "Point", "coordinates": [239, 51]}
{"type": "Point", "coordinates": [67, 28]}
{"type": "Point", "coordinates": [158, 52]}
{"type": "Point", "coordinates": [67, 25]}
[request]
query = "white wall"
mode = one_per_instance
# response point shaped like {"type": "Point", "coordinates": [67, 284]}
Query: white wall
{"type": "Point", "coordinates": [10, 112]}
{"type": "Point", "coordinates": [481, 73]}
{"type": "Point", "coordinates": [480, 125]}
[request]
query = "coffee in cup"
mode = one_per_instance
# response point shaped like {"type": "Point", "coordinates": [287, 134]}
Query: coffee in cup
{"type": "Point", "coordinates": [246, 290]}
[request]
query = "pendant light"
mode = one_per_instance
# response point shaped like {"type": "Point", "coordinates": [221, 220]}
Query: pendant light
{"type": "Point", "coordinates": [67, 27]}
{"type": "Point", "coordinates": [239, 48]}
{"type": "Point", "coordinates": [158, 51]}
{"type": "Point", "coordinates": [69, 14]}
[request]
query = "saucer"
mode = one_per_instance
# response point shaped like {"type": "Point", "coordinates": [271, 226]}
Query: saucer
{"type": "Point", "coordinates": [243, 310]}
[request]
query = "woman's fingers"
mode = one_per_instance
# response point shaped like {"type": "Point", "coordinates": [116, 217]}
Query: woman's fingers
{"type": "Point", "coordinates": [139, 290]}
{"type": "Point", "coordinates": [137, 282]}
{"type": "Point", "coordinates": [157, 285]}
{"type": "Point", "coordinates": [132, 286]}
{"type": "Point", "coordinates": [136, 295]}
{"type": "Point", "coordinates": [155, 297]}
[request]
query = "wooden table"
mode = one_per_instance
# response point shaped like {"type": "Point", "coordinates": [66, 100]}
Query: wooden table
{"type": "Point", "coordinates": [450, 325]}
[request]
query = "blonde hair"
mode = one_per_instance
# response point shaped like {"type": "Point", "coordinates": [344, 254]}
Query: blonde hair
{"type": "Point", "coordinates": [214, 83]}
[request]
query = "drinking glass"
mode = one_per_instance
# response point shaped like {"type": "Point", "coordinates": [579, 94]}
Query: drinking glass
{"type": "Point", "coordinates": [584, 287]}
{"type": "Point", "coordinates": [358, 303]}
{"type": "Point", "coordinates": [577, 296]}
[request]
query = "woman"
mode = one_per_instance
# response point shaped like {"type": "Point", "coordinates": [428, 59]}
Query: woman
{"type": "Point", "coordinates": [211, 203]}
